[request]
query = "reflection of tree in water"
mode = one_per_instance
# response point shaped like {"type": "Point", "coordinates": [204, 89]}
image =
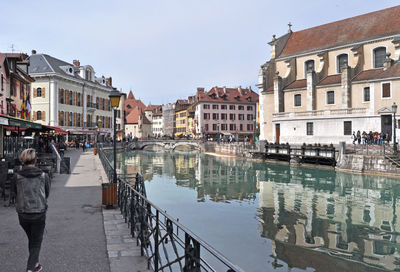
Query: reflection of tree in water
{"type": "Point", "coordinates": [334, 217]}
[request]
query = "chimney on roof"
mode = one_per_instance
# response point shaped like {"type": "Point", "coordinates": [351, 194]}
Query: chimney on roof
{"type": "Point", "coordinates": [240, 88]}
{"type": "Point", "coordinates": [224, 89]}
{"type": "Point", "coordinates": [33, 52]}
{"type": "Point", "coordinates": [109, 82]}
{"type": "Point", "coordinates": [76, 63]}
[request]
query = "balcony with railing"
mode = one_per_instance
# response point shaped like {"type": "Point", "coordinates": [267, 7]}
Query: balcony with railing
{"type": "Point", "coordinates": [320, 113]}
{"type": "Point", "coordinates": [91, 106]}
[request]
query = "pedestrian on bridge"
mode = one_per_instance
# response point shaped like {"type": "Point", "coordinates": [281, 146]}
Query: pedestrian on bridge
{"type": "Point", "coordinates": [32, 188]}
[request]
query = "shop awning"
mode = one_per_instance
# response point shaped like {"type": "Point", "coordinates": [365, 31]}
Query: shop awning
{"type": "Point", "coordinates": [17, 122]}
{"type": "Point", "coordinates": [83, 132]}
{"type": "Point", "coordinates": [57, 130]}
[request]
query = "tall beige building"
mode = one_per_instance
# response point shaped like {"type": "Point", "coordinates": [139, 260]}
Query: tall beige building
{"type": "Point", "coordinates": [70, 96]}
{"type": "Point", "coordinates": [325, 82]}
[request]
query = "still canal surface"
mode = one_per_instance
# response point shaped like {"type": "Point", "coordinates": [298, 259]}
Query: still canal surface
{"type": "Point", "coordinates": [272, 217]}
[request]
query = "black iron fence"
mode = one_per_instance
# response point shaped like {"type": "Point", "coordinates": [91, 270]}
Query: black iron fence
{"type": "Point", "coordinates": [167, 244]}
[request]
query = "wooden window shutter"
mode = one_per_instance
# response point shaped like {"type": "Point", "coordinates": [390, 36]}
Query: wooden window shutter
{"type": "Point", "coordinates": [82, 120]}
{"type": "Point", "coordinates": [386, 90]}
{"type": "Point", "coordinates": [43, 115]}
{"type": "Point", "coordinates": [43, 92]}
{"type": "Point", "coordinates": [34, 115]}
{"type": "Point", "coordinates": [74, 121]}
{"type": "Point", "coordinates": [34, 92]}
{"type": "Point", "coordinates": [65, 96]}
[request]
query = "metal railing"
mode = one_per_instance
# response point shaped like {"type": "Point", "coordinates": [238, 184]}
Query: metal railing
{"type": "Point", "coordinates": [167, 244]}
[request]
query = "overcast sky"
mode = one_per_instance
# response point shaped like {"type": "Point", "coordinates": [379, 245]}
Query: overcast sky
{"type": "Point", "coordinates": [164, 49]}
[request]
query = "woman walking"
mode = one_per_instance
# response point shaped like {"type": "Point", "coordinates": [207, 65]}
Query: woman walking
{"type": "Point", "coordinates": [32, 188]}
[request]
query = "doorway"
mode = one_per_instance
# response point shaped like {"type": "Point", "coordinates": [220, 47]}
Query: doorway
{"type": "Point", "coordinates": [386, 125]}
{"type": "Point", "coordinates": [277, 132]}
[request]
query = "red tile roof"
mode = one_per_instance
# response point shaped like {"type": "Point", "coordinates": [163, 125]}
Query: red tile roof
{"type": "Point", "coordinates": [229, 95]}
{"type": "Point", "coordinates": [334, 79]}
{"type": "Point", "coordinates": [393, 71]}
{"type": "Point", "coordinates": [151, 107]}
{"type": "Point", "coordinates": [133, 116]}
{"type": "Point", "coordinates": [130, 96]}
{"type": "Point", "coordinates": [368, 74]}
{"type": "Point", "coordinates": [302, 83]}
{"type": "Point", "coordinates": [367, 26]}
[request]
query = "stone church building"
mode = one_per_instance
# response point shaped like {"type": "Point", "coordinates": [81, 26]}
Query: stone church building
{"type": "Point", "coordinates": [325, 82]}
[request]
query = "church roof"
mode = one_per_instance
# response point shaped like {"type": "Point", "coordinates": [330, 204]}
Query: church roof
{"type": "Point", "coordinates": [130, 96]}
{"type": "Point", "coordinates": [355, 29]}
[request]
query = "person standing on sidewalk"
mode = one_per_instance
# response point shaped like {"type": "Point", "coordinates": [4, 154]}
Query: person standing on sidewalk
{"type": "Point", "coordinates": [32, 188]}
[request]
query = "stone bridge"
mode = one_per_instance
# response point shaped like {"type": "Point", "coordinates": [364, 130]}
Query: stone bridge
{"type": "Point", "coordinates": [166, 144]}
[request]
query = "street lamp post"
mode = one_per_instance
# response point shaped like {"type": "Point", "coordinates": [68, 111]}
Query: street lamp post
{"type": "Point", "coordinates": [114, 97]}
{"type": "Point", "coordinates": [394, 109]}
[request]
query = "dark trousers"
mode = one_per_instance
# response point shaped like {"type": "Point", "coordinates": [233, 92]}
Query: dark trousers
{"type": "Point", "coordinates": [33, 225]}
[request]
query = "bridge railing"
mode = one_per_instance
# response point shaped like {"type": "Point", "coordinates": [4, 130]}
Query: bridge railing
{"type": "Point", "coordinates": [166, 243]}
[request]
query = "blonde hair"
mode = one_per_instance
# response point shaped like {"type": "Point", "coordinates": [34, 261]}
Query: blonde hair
{"type": "Point", "coordinates": [28, 156]}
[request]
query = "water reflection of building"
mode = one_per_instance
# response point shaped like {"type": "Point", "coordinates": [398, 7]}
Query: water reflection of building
{"type": "Point", "coordinates": [224, 179]}
{"type": "Point", "coordinates": [220, 179]}
{"type": "Point", "coordinates": [343, 220]}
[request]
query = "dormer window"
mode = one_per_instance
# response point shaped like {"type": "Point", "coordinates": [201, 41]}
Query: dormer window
{"type": "Point", "coordinates": [249, 99]}
{"type": "Point", "coordinates": [309, 67]}
{"type": "Point", "coordinates": [379, 57]}
{"type": "Point", "coordinates": [88, 74]}
{"type": "Point", "coordinates": [341, 61]}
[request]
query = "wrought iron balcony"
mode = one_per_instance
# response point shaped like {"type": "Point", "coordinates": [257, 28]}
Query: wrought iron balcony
{"type": "Point", "coordinates": [92, 105]}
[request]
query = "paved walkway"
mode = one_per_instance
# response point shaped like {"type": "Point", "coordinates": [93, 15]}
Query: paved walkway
{"type": "Point", "coordinates": [75, 237]}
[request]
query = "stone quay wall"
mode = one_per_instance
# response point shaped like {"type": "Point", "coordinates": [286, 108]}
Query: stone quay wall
{"type": "Point", "coordinates": [234, 149]}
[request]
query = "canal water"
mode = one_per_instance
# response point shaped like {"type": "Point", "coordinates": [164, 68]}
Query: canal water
{"type": "Point", "coordinates": [273, 217]}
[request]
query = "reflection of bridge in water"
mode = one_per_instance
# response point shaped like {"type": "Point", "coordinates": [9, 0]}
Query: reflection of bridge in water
{"type": "Point", "coordinates": [165, 144]}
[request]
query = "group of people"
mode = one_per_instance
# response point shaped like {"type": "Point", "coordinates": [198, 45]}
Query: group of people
{"type": "Point", "coordinates": [378, 138]}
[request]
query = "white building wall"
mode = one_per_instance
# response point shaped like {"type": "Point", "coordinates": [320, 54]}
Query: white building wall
{"type": "Point", "coordinates": [326, 130]}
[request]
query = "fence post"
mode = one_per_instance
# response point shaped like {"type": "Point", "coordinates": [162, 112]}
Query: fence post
{"type": "Point", "coordinates": [156, 243]}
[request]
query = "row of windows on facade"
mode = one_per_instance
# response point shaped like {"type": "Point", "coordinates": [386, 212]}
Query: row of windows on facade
{"type": "Point", "coordinates": [74, 119]}
{"type": "Point", "coordinates": [14, 87]}
{"type": "Point", "coordinates": [72, 98]}
{"type": "Point", "coordinates": [330, 95]}
{"type": "Point", "coordinates": [225, 107]}
{"type": "Point", "coordinates": [347, 128]}
{"type": "Point", "coordinates": [224, 97]}
{"type": "Point", "coordinates": [232, 127]}
{"type": "Point", "coordinates": [224, 116]}
{"type": "Point", "coordinates": [379, 56]}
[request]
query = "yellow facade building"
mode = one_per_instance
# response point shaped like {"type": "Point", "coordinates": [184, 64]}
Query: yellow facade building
{"type": "Point", "coordinates": [323, 83]}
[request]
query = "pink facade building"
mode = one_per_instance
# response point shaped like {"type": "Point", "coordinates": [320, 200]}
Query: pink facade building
{"type": "Point", "coordinates": [226, 112]}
